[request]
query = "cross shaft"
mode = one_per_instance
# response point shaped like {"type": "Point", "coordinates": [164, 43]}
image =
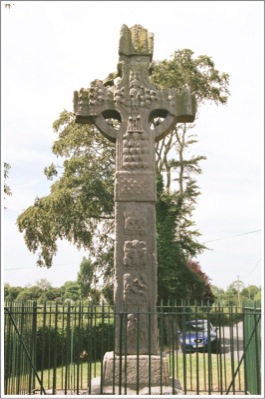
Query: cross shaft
{"type": "Point", "coordinates": [134, 104]}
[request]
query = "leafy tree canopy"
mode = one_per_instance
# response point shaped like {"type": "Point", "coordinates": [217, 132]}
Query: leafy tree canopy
{"type": "Point", "coordinates": [80, 205]}
{"type": "Point", "coordinates": [178, 276]}
{"type": "Point", "coordinates": [80, 201]}
{"type": "Point", "coordinates": [199, 75]}
{"type": "Point", "coordinates": [7, 189]}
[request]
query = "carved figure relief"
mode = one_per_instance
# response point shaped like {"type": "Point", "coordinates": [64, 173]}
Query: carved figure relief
{"type": "Point", "coordinates": [136, 328]}
{"type": "Point", "coordinates": [134, 223]}
{"type": "Point", "coordinates": [131, 328]}
{"type": "Point", "coordinates": [135, 289]}
{"type": "Point", "coordinates": [119, 96]}
{"type": "Point", "coordinates": [134, 123]}
{"type": "Point", "coordinates": [135, 94]}
{"type": "Point", "coordinates": [98, 94]}
{"type": "Point", "coordinates": [135, 254]}
{"type": "Point", "coordinates": [139, 94]}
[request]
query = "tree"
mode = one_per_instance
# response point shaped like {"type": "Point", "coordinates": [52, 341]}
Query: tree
{"type": "Point", "coordinates": [51, 294]}
{"type": "Point", "coordinates": [207, 84]}
{"type": "Point", "coordinates": [11, 293]}
{"type": "Point", "coordinates": [71, 291]}
{"type": "Point", "coordinates": [200, 288]}
{"type": "Point", "coordinates": [257, 297]}
{"type": "Point", "coordinates": [81, 200]}
{"type": "Point", "coordinates": [43, 284]}
{"type": "Point", "coordinates": [29, 293]}
{"type": "Point", "coordinates": [218, 293]}
{"type": "Point", "coordinates": [7, 189]}
{"type": "Point", "coordinates": [170, 258]}
{"type": "Point", "coordinates": [178, 276]}
{"type": "Point", "coordinates": [201, 77]}
{"type": "Point", "coordinates": [80, 205]}
{"type": "Point", "coordinates": [250, 292]}
{"type": "Point", "coordinates": [233, 292]}
{"type": "Point", "coordinates": [86, 276]}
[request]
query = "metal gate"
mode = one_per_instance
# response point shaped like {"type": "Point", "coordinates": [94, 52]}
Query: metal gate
{"type": "Point", "coordinates": [252, 350]}
{"type": "Point", "coordinates": [19, 349]}
{"type": "Point", "coordinates": [59, 348]}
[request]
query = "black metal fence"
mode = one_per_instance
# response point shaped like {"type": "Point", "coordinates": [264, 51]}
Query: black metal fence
{"type": "Point", "coordinates": [59, 348]}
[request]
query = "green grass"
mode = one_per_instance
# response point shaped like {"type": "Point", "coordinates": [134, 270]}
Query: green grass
{"type": "Point", "coordinates": [71, 376]}
{"type": "Point", "coordinates": [200, 373]}
{"type": "Point", "coordinates": [203, 375]}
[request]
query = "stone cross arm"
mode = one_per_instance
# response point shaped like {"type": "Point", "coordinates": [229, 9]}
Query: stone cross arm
{"type": "Point", "coordinates": [134, 96]}
{"type": "Point", "coordinates": [131, 111]}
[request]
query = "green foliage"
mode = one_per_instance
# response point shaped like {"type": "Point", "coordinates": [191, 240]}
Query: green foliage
{"type": "Point", "coordinates": [81, 199]}
{"type": "Point", "coordinates": [53, 344]}
{"type": "Point", "coordinates": [50, 344]}
{"type": "Point", "coordinates": [7, 189]}
{"type": "Point", "coordinates": [42, 291]}
{"type": "Point", "coordinates": [85, 277]}
{"type": "Point", "coordinates": [197, 74]}
{"type": "Point", "coordinates": [199, 287]}
{"type": "Point", "coordinates": [257, 297]}
{"type": "Point", "coordinates": [108, 293]}
{"type": "Point", "coordinates": [218, 293]}
{"type": "Point", "coordinates": [11, 293]}
{"type": "Point", "coordinates": [170, 259]}
{"type": "Point", "coordinates": [225, 316]}
{"type": "Point", "coordinates": [71, 291]}
{"type": "Point", "coordinates": [250, 292]}
{"type": "Point", "coordinates": [80, 205]}
{"type": "Point", "coordinates": [236, 295]}
{"type": "Point", "coordinates": [28, 294]}
{"type": "Point", "coordinates": [43, 284]}
{"type": "Point", "coordinates": [178, 278]}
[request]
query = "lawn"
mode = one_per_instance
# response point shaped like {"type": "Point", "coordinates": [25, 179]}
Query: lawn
{"type": "Point", "coordinates": [202, 373]}
{"type": "Point", "coordinates": [198, 373]}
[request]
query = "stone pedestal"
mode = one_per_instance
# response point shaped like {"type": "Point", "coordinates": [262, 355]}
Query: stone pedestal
{"type": "Point", "coordinates": [132, 374]}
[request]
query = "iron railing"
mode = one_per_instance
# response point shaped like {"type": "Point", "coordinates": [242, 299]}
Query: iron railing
{"type": "Point", "coordinates": [59, 348]}
{"type": "Point", "coordinates": [252, 349]}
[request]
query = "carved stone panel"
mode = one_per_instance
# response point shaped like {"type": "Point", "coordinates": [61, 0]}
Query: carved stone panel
{"type": "Point", "coordinates": [135, 289]}
{"type": "Point", "coordinates": [135, 187]}
{"type": "Point", "coordinates": [135, 255]}
{"type": "Point", "coordinates": [135, 149]}
{"type": "Point", "coordinates": [135, 222]}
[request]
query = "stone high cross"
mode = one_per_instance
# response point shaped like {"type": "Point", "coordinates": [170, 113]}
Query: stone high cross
{"type": "Point", "coordinates": [135, 103]}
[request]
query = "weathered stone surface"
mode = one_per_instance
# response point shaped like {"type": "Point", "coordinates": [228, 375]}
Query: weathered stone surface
{"type": "Point", "coordinates": [130, 375]}
{"type": "Point", "coordinates": [174, 388]}
{"type": "Point", "coordinates": [134, 103]}
{"type": "Point", "coordinates": [122, 390]}
{"type": "Point", "coordinates": [131, 370]}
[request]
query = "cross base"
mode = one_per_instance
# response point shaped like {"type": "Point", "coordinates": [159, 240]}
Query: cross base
{"type": "Point", "coordinates": [135, 374]}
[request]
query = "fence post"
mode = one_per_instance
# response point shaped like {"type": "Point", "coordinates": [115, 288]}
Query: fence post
{"type": "Point", "coordinates": [252, 348]}
{"type": "Point", "coordinates": [23, 347]}
{"type": "Point", "coordinates": [33, 346]}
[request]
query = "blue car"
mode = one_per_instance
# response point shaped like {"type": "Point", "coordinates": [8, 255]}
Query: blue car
{"type": "Point", "coordinates": [198, 335]}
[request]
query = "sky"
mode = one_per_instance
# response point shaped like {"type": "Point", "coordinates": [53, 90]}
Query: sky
{"type": "Point", "coordinates": [49, 49]}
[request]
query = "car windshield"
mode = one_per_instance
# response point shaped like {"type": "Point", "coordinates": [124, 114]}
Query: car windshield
{"type": "Point", "coordinates": [196, 326]}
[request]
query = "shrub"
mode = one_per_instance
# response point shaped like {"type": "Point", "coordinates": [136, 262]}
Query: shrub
{"type": "Point", "coordinates": [55, 347]}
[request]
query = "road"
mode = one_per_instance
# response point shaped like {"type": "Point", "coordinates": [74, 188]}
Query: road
{"type": "Point", "coordinates": [231, 339]}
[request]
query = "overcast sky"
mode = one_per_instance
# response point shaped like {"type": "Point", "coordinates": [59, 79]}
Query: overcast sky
{"type": "Point", "coordinates": [50, 49]}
